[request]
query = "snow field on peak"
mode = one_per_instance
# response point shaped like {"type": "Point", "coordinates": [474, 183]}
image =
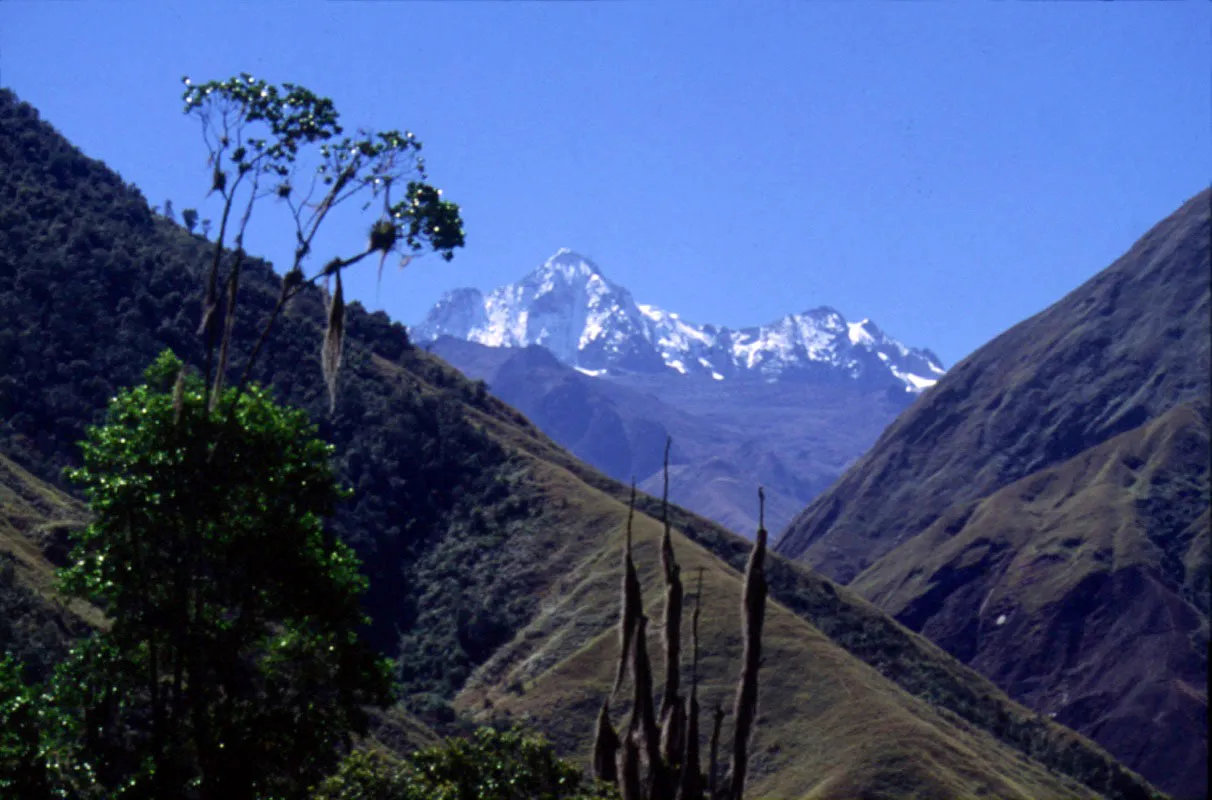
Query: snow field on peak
{"type": "Point", "coordinates": [588, 322]}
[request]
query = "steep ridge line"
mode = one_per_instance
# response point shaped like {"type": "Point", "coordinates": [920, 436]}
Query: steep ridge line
{"type": "Point", "coordinates": [932, 517]}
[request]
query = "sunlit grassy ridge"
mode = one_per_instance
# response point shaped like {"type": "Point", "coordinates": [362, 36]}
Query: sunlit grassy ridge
{"type": "Point", "coordinates": [832, 725]}
{"type": "Point", "coordinates": [34, 518]}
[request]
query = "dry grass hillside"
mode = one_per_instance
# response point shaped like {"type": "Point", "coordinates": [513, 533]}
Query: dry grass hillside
{"type": "Point", "coordinates": [1082, 589]}
{"type": "Point", "coordinates": [1058, 477]}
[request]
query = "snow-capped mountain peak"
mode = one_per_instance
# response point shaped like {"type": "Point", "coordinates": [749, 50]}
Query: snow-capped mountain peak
{"type": "Point", "coordinates": [568, 306]}
{"type": "Point", "coordinates": [570, 266]}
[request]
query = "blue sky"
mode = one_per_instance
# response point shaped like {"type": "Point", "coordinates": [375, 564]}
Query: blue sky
{"type": "Point", "coordinates": [946, 170]}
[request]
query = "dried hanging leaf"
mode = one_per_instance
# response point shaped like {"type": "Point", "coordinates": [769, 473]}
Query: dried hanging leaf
{"type": "Point", "coordinates": [605, 747]}
{"type": "Point", "coordinates": [334, 339]}
{"type": "Point", "coordinates": [753, 613]}
{"type": "Point", "coordinates": [643, 721]}
{"type": "Point", "coordinates": [632, 600]}
{"type": "Point", "coordinates": [211, 303]}
{"type": "Point", "coordinates": [208, 312]}
{"type": "Point", "coordinates": [179, 396]}
{"type": "Point", "coordinates": [229, 322]}
{"type": "Point", "coordinates": [383, 238]}
{"type": "Point", "coordinates": [714, 759]}
{"type": "Point", "coordinates": [673, 737]}
{"type": "Point", "coordinates": [629, 769]}
{"type": "Point", "coordinates": [672, 631]}
{"type": "Point", "coordinates": [690, 786]}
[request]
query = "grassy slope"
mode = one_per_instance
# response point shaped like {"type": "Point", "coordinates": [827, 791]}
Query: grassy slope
{"type": "Point", "coordinates": [561, 661]}
{"type": "Point", "coordinates": [33, 517]}
{"type": "Point", "coordinates": [1123, 348]}
{"type": "Point", "coordinates": [815, 736]}
{"type": "Point", "coordinates": [1097, 570]}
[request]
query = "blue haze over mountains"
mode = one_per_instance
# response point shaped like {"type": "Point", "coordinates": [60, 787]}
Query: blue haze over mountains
{"type": "Point", "coordinates": [786, 405]}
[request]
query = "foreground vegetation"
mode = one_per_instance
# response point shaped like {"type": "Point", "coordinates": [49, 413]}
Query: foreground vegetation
{"type": "Point", "coordinates": [229, 664]}
{"type": "Point", "coordinates": [490, 765]}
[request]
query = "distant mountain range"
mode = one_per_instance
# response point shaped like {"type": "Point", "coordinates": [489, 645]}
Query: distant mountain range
{"type": "Point", "coordinates": [787, 405]}
{"type": "Point", "coordinates": [588, 322]}
{"type": "Point", "coordinates": [1043, 512]}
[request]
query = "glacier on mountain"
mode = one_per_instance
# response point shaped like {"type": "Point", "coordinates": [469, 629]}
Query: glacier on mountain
{"type": "Point", "coordinates": [569, 307]}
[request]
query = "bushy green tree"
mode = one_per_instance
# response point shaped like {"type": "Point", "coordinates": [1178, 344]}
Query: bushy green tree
{"type": "Point", "coordinates": [23, 770]}
{"type": "Point", "coordinates": [491, 765]}
{"type": "Point", "coordinates": [232, 668]}
{"type": "Point", "coordinates": [231, 665]}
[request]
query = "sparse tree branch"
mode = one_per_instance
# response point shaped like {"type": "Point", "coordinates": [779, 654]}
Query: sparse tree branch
{"type": "Point", "coordinates": [252, 130]}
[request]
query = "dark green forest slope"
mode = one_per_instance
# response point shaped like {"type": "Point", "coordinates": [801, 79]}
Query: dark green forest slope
{"type": "Point", "coordinates": [471, 523]}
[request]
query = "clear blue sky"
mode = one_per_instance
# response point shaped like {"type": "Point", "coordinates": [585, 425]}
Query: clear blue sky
{"type": "Point", "coordinates": [945, 170]}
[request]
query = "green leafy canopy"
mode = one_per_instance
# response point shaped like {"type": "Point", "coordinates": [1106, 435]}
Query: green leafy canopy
{"type": "Point", "coordinates": [491, 765]}
{"type": "Point", "coordinates": [235, 615]}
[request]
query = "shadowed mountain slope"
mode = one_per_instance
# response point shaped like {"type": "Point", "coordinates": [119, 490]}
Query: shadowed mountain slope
{"type": "Point", "coordinates": [1083, 591]}
{"type": "Point", "coordinates": [1121, 349]}
{"type": "Point", "coordinates": [1056, 480]}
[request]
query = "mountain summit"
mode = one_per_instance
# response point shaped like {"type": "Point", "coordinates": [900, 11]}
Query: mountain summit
{"type": "Point", "coordinates": [569, 307]}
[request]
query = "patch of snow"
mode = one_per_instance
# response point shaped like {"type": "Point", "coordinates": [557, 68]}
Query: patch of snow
{"type": "Point", "coordinates": [717, 376]}
{"type": "Point", "coordinates": [913, 383]}
{"type": "Point", "coordinates": [592, 330]}
{"type": "Point", "coordinates": [678, 365]}
{"type": "Point", "coordinates": [593, 373]}
{"type": "Point", "coordinates": [919, 381]}
{"type": "Point", "coordinates": [652, 312]}
{"type": "Point", "coordinates": [1001, 620]}
{"type": "Point", "coordinates": [859, 334]}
